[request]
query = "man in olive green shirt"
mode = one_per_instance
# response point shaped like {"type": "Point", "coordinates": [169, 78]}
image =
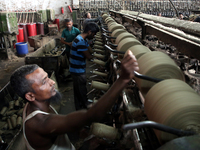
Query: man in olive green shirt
{"type": "Point", "coordinates": [68, 35]}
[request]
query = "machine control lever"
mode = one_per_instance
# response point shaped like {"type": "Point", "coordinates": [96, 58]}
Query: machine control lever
{"type": "Point", "coordinates": [112, 50]}
{"type": "Point", "coordinates": [106, 30]}
{"type": "Point", "coordinates": [109, 37]}
{"type": "Point", "coordinates": [157, 126]}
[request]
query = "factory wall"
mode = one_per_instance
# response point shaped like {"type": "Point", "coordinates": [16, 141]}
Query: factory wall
{"type": "Point", "coordinates": [23, 5]}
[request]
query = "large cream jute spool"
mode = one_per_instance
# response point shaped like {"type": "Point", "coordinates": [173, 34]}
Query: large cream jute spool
{"type": "Point", "coordinates": [98, 47]}
{"type": "Point", "coordinates": [99, 62]}
{"type": "Point", "coordinates": [117, 32]}
{"type": "Point", "coordinates": [126, 43]}
{"type": "Point", "coordinates": [100, 85]}
{"type": "Point", "coordinates": [114, 27]}
{"type": "Point", "coordinates": [104, 16]}
{"type": "Point", "coordinates": [180, 110]}
{"type": "Point", "coordinates": [99, 56]}
{"type": "Point", "coordinates": [123, 36]}
{"type": "Point", "coordinates": [112, 23]}
{"type": "Point", "coordinates": [160, 89]}
{"type": "Point", "coordinates": [98, 39]}
{"type": "Point", "coordinates": [159, 65]}
{"type": "Point", "coordinates": [139, 50]}
{"type": "Point", "coordinates": [98, 43]}
{"type": "Point", "coordinates": [100, 73]}
{"type": "Point", "coordinates": [109, 19]}
{"type": "Point", "coordinates": [104, 131]}
{"type": "Point", "coordinates": [99, 51]}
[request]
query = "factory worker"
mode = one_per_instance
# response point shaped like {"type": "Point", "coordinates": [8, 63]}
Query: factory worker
{"type": "Point", "coordinates": [43, 128]}
{"type": "Point", "coordinates": [68, 35]}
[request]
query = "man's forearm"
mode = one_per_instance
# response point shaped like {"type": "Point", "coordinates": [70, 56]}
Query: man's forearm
{"type": "Point", "coordinates": [105, 103]}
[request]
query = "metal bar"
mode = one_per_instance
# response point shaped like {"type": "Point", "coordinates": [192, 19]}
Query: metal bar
{"type": "Point", "coordinates": [158, 126]}
{"type": "Point", "coordinates": [138, 75]}
{"type": "Point", "coordinates": [183, 45]}
{"type": "Point", "coordinates": [114, 51]}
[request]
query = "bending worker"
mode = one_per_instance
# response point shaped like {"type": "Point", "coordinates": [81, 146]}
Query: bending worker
{"type": "Point", "coordinates": [43, 128]}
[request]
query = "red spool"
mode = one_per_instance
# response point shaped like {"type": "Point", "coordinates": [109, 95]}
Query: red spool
{"type": "Point", "coordinates": [20, 36]}
{"type": "Point", "coordinates": [62, 10]}
{"type": "Point", "coordinates": [23, 25]}
{"type": "Point", "coordinates": [70, 9]}
{"type": "Point", "coordinates": [35, 28]}
{"type": "Point", "coordinates": [40, 28]}
{"type": "Point", "coordinates": [56, 21]}
{"type": "Point", "coordinates": [31, 29]}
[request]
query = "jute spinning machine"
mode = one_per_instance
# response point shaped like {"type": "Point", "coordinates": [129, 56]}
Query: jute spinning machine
{"type": "Point", "coordinates": [160, 107]}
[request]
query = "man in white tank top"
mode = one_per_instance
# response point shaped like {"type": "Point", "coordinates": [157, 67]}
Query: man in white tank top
{"type": "Point", "coordinates": [45, 129]}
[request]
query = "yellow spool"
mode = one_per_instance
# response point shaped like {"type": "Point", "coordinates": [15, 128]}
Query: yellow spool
{"type": "Point", "coordinates": [99, 73]}
{"type": "Point", "coordinates": [159, 65]}
{"type": "Point", "coordinates": [104, 131]}
{"type": "Point", "coordinates": [98, 43]}
{"type": "Point", "coordinates": [99, 62]}
{"type": "Point", "coordinates": [99, 51]}
{"type": "Point", "coordinates": [139, 50]}
{"type": "Point", "coordinates": [99, 56]}
{"type": "Point", "coordinates": [99, 47]}
{"type": "Point", "coordinates": [117, 32]}
{"type": "Point", "coordinates": [100, 85]}
{"type": "Point", "coordinates": [126, 43]}
{"type": "Point", "coordinates": [115, 26]}
{"type": "Point", "coordinates": [123, 36]}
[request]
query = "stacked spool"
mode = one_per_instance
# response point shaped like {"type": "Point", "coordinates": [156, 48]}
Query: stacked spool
{"type": "Point", "coordinates": [158, 65]}
{"type": "Point", "coordinates": [99, 52]}
{"type": "Point", "coordinates": [173, 103]}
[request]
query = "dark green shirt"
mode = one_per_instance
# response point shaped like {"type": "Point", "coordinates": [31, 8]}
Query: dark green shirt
{"type": "Point", "coordinates": [69, 36]}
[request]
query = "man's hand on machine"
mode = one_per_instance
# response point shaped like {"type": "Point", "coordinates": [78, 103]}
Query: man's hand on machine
{"type": "Point", "coordinates": [128, 66]}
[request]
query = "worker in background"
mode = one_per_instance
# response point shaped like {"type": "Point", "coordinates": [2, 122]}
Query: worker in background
{"type": "Point", "coordinates": [159, 14]}
{"type": "Point", "coordinates": [181, 17]}
{"type": "Point", "coordinates": [43, 128]}
{"type": "Point", "coordinates": [89, 19]}
{"type": "Point", "coordinates": [68, 35]}
{"type": "Point", "coordinates": [78, 55]}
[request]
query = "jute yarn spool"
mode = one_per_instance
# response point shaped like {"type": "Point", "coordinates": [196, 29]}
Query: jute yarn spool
{"type": "Point", "coordinates": [159, 90]}
{"type": "Point", "coordinates": [99, 62]}
{"type": "Point", "coordinates": [99, 51]}
{"type": "Point", "coordinates": [126, 43]}
{"type": "Point", "coordinates": [98, 37]}
{"type": "Point", "coordinates": [115, 26]}
{"type": "Point", "coordinates": [109, 19]}
{"type": "Point", "coordinates": [104, 16]}
{"type": "Point", "coordinates": [100, 85]}
{"type": "Point", "coordinates": [159, 65]}
{"type": "Point", "coordinates": [99, 73]}
{"type": "Point", "coordinates": [98, 43]}
{"type": "Point", "coordinates": [104, 131]}
{"type": "Point", "coordinates": [117, 32]}
{"type": "Point", "coordinates": [123, 36]}
{"type": "Point", "coordinates": [99, 47]}
{"type": "Point", "coordinates": [139, 50]}
{"type": "Point", "coordinates": [112, 23]}
{"type": "Point", "coordinates": [179, 109]}
{"type": "Point", "coordinates": [99, 56]}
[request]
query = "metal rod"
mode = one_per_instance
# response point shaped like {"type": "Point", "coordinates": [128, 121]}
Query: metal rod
{"type": "Point", "coordinates": [174, 8]}
{"type": "Point", "coordinates": [106, 30]}
{"type": "Point", "coordinates": [114, 45]}
{"type": "Point", "coordinates": [109, 37]}
{"type": "Point", "coordinates": [138, 75]}
{"type": "Point", "coordinates": [114, 51]}
{"type": "Point", "coordinates": [157, 126]}
{"type": "Point", "coordinates": [141, 76]}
